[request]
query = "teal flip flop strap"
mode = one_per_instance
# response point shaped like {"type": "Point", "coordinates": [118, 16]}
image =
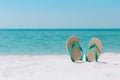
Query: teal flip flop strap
{"type": "Point", "coordinates": [71, 50]}
{"type": "Point", "coordinates": [94, 46]}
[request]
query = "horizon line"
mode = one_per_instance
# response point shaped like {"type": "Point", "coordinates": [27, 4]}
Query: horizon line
{"type": "Point", "coordinates": [62, 28]}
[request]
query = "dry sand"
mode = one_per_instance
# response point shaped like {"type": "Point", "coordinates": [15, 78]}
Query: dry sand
{"type": "Point", "coordinates": [59, 67]}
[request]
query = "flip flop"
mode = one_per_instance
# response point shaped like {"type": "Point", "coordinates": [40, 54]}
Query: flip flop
{"type": "Point", "coordinates": [94, 50]}
{"type": "Point", "coordinates": [74, 49]}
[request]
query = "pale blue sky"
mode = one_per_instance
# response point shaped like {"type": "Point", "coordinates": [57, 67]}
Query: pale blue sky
{"type": "Point", "coordinates": [59, 13]}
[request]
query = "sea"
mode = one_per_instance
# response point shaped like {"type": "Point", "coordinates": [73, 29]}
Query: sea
{"type": "Point", "coordinates": [53, 41]}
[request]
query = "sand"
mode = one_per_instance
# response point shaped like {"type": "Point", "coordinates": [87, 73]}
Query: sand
{"type": "Point", "coordinates": [59, 67]}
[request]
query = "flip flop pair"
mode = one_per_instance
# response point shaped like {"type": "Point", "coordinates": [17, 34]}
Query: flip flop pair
{"type": "Point", "coordinates": [76, 52]}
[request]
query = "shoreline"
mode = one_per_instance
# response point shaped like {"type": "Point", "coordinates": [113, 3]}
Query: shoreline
{"type": "Point", "coordinates": [57, 54]}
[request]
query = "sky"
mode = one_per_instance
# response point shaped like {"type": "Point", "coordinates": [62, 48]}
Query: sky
{"type": "Point", "coordinates": [70, 14]}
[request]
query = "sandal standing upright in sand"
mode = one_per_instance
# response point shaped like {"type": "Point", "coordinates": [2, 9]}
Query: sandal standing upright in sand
{"type": "Point", "coordinates": [74, 49]}
{"type": "Point", "coordinates": [94, 50]}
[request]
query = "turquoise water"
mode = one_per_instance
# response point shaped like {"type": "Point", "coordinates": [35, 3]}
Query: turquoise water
{"type": "Point", "coordinates": [40, 41]}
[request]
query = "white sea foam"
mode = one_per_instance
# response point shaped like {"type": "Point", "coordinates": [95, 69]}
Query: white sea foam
{"type": "Point", "coordinates": [59, 67]}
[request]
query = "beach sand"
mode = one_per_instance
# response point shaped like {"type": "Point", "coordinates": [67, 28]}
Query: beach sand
{"type": "Point", "coordinates": [59, 67]}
